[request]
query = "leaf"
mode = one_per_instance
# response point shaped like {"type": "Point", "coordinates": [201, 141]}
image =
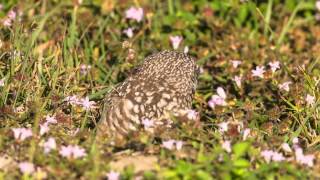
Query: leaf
{"type": "Point", "coordinates": [240, 149]}
{"type": "Point", "coordinates": [242, 163]}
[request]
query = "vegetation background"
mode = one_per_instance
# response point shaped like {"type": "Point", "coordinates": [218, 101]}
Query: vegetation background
{"type": "Point", "coordinates": [257, 99]}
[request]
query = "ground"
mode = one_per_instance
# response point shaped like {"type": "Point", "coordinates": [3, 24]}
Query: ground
{"type": "Point", "coordinates": [255, 113]}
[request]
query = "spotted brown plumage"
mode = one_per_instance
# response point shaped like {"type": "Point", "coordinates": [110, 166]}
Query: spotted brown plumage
{"type": "Point", "coordinates": [163, 84]}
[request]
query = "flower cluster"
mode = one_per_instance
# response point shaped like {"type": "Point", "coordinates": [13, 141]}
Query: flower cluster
{"type": "Point", "coordinates": [172, 144]}
{"type": "Point", "coordinates": [72, 151]}
{"type": "Point", "coordinates": [84, 102]}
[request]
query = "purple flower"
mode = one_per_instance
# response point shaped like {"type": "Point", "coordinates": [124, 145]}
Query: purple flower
{"type": "Point", "coordinates": [72, 151]}
{"type": "Point", "coordinates": [175, 41]}
{"type": "Point", "coordinates": [113, 175]}
{"type": "Point", "coordinates": [223, 127]}
{"type": "Point", "coordinates": [26, 167]}
{"type": "Point", "coordinates": [44, 128]}
{"type": "Point", "coordinates": [226, 145]}
{"type": "Point", "coordinates": [49, 145]}
{"type": "Point", "coordinates": [218, 99]}
{"type": "Point", "coordinates": [73, 100]}
{"type": "Point", "coordinates": [274, 66]}
{"type": "Point", "coordinates": [237, 79]}
{"type": "Point", "coordinates": [128, 32]}
{"type": "Point", "coordinates": [318, 5]}
{"type": "Point", "coordinates": [134, 13]}
{"type": "Point", "coordinates": [258, 72]}
{"type": "Point", "coordinates": [267, 155]}
{"type": "Point", "coordinates": [285, 86]}
{"type": "Point", "coordinates": [78, 152]}
{"type": "Point", "coordinates": [12, 15]}
{"type": "Point", "coordinates": [179, 145]}
{"type": "Point", "coordinates": [147, 123]}
{"type": "Point", "coordinates": [171, 144]}
{"type": "Point", "coordinates": [7, 22]}
{"type": "Point", "coordinates": [51, 119]}
{"type": "Point", "coordinates": [278, 157]}
{"type": "Point", "coordinates": [236, 63]}
{"type": "Point", "coordinates": [87, 104]}
{"type": "Point", "coordinates": [186, 49]}
{"type": "Point", "coordinates": [192, 114]}
{"type": "Point", "coordinates": [66, 151]}
{"type": "Point", "coordinates": [2, 82]}
{"type": "Point", "coordinates": [286, 147]}
{"type": "Point", "coordinates": [21, 133]}
{"type": "Point", "coordinates": [304, 159]}
{"type": "Point", "coordinates": [246, 133]}
{"type": "Point", "coordinates": [168, 144]}
{"type": "Point", "coordinates": [310, 100]}
{"type": "Point", "coordinates": [84, 69]}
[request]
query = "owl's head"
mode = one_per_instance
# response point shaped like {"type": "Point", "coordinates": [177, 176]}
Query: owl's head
{"type": "Point", "coordinates": [171, 66]}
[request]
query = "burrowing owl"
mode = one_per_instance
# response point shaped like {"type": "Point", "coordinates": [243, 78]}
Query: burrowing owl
{"type": "Point", "coordinates": [163, 84]}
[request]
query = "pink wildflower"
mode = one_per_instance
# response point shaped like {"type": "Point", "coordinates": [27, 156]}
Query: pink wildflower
{"type": "Point", "coordinates": [237, 79]}
{"type": "Point", "coordinates": [2, 82]}
{"type": "Point", "coordinates": [12, 15]}
{"type": "Point", "coordinates": [147, 123]}
{"type": "Point", "coordinates": [26, 167]}
{"type": "Point", "coordinates": [246, 133]}
{"type": "Point", "coordinates": [179, 145]}
{"type": "Point", "coordinates": [112, 175]}
{"type": "Point", "coordinates": [218, 99]}
{"type": "Point", "coordinates": [66, 151]}
{"type": "Point", "coordinates": [84, 69]}
{"type": "Point", "coordinates": [236, 63]}
{"type": "Point", "coordinates": [78, 152]}
{"type": "Point", "coordinates": [304, 159]}
{"type": "Point", "coordinates": [267, 155]}
{"type": "Point", "coordinates": [72, 151]}
{"type": "Point", "coordinates": [44, 128]}
{"type": "Point", "coordinates": [310, 100]}
{"type": "Point", "coordinates": [21, 133]}
{"type": "Point", "coordinates": [175, 41]}
{"type": "Point", "coordinates": [192, 114]}
{"type": "Point", "coordinates": [285, 86]}
{"type": "Point", "coordinates": [274, 66]}
{"type": "Point", "coordinates": [223, 127]}
{"type": "Point", "coordinates": [7, 22]}
{"type": "Point", "coordinates": [168, 144]}
{"type": "Point", "coordinates": [87, 104]}
{"type": "Point", "coordinates": [134, 13]}
{"type": "Point", "coordinates": [49, 145]}
{"type": "Point", "coordinates": [51, 119]}
{"type": "Point", "coordinates": [286, 147]}
{"type": "Point", "coordinates": [318, 5]}
{"type": "Point", "coordinates": [277, 157]}
{"type": "Point", "coordinates": [73, 100]}
{"type": "Point", "coordinates": [171, 144]}
{"type": "Point", "coordinates": [226, 145]}
{"type": "Point", "coordinates": [129, 32]}
{"type": "Point", "coordinates": [186, 49]}
{"type": "Point", "coordinates": [258, 72]}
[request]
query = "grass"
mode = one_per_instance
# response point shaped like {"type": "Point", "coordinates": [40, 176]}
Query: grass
{"type": "Point", "coordinates": [41, 63]}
